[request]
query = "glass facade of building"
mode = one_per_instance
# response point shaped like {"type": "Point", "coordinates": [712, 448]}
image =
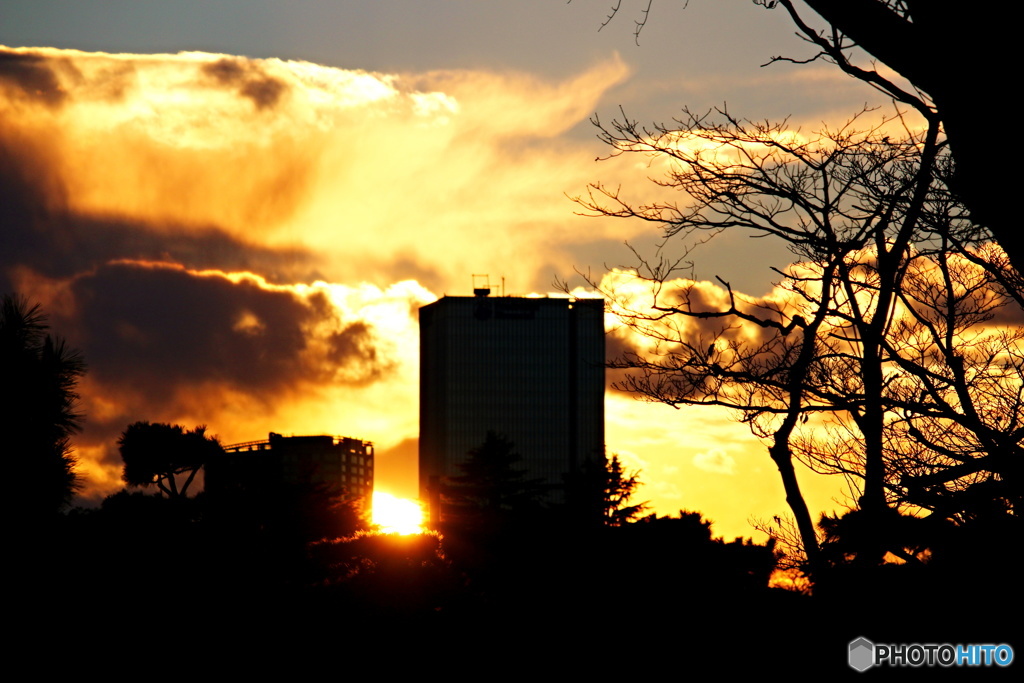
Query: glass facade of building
{"type": "Point", "coordinates": [530, 369]}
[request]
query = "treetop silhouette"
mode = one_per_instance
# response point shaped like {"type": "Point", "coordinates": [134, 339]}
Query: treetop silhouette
{"type": "Point", "coordinates": [38, 374]}
{"type": "Point", "coordinates": [619, 487]}
{"type": "Point", "coordinates": [158, 454]}
{"type": "Point", "coordinates": [913, 38]}
{"type": "Point", "coordinates": [875, 358]}
{"type": "Point", "coordinates": [491, 488]}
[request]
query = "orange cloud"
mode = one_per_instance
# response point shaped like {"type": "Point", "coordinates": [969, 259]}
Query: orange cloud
{"type": "Point", "coordinates": [244, 244]}
{"type": "Point", "coordinates": [365, 169]}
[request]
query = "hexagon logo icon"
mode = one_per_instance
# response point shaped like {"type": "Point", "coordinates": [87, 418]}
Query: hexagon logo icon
{"type": "Point", "coordinates": [862, 654]}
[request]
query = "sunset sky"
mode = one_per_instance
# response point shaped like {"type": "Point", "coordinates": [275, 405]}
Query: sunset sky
{"type": "Point", "coordinates": [234, 209]}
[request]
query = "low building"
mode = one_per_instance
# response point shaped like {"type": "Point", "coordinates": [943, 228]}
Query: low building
{"type": "Point", "coordinates": [340, 463]}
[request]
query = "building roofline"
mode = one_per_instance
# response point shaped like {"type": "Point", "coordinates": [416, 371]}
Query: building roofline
{"type": "Point", "coordinates": [235, 447]}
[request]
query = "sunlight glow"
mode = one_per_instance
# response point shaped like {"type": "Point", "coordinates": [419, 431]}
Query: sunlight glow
{"type": "Point", "coordinates": [397, 515]}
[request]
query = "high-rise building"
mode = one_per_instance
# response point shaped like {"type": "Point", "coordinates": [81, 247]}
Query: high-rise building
{"type": "Point", "coordinates": [529, 369]}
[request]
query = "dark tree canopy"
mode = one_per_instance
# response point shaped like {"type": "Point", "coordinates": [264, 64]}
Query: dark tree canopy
{"type": "Point", "coordinates": [950, 443]}
{"type": "Point", "coordinates": [875, 358]}
{"type": "Point", "coordinates": [600, 492]}
{"type": "Point", "coordinates": [491, 488]}
{"type": "Point", "coordinates": [914, 38]}
{"type": "Point", "coordinates": [619, 487]}
{"type": "Point", "coordinates": [38, 374]}
{"type": "Point", "coordinates": [157, 453]}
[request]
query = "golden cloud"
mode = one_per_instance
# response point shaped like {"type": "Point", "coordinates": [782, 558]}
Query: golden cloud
{"type": "Point", "coordinates": [244, 243]}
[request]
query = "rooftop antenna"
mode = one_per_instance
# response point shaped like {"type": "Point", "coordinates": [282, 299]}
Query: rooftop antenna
{"type": "Point", "coordinates": [481, 286]}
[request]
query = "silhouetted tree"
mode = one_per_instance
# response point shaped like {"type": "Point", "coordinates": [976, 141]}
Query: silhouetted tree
{"type": "Point", "coordinates": [690, 526]}
{"type": "Point", "coordinates": [398, 575]}
{"type": "Point", "coordinates": [912, 37]}
{"type": "Point", "coordinates": [680, 554]}
{"type": "Point", "coordinates": [873, 360]}
{"type": "Point", "coordinates": [491, 489]}
{"type": "Point", "coordinates": [599, 493]}
{"type": "Point", "coordinates": [311, 511]}
{"type": "Point", "coordinates": [38, 376]}
{"type": "Point", "coordinates": [844, 537]}
{"type": "Point", "coordinates": [158, 453]}
{"type": "Point", "coordinates": [619, 487]}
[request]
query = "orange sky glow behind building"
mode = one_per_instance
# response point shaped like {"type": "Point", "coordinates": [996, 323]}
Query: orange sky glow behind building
{"type": "Point", "coordinates": [245, 244]}
{"type": "Point", "coordinates": [395, 515]}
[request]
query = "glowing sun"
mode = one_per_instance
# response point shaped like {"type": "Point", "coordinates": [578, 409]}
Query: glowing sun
{"type": "Point", "coordinates": [397, 515]}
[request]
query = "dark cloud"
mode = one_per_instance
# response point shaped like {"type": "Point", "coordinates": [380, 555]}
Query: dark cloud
{"type": "Point", "coordinates": [225, 70]}
{"type": "Point", "coordinates": [28, 191]}
{"type": "Point", "coordinates": [40, 232]}
{"type": "Point", "coordinates": [31, 77]}
{"type": "Point", "coordinates": [37, 77]}
{"type": "Point", "coordinates": [353, 351]}
{"type": "Point", "coordinates": [264, 92]}
{"type": "Point", "coordinates": [617, 345]}
{"type": "Point", "coordinates": [249, 79]}
{"type": "Point", "coordinates": [162, 326]}
{"type": "Point", "coordinates": [168, 326]}
{"type": "Point", "coordinates": [1009, 315]}
{"type": "Point", "coordinates": [161, 341]}
{"type": "Point", "coordinates": [680, 336]}
{"type": "Point", "coordinates": [617, 348]}
{"type": "Point", "coordinates": [69, 243]}
{"type": "Point", "coordinates": [351, 341]}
